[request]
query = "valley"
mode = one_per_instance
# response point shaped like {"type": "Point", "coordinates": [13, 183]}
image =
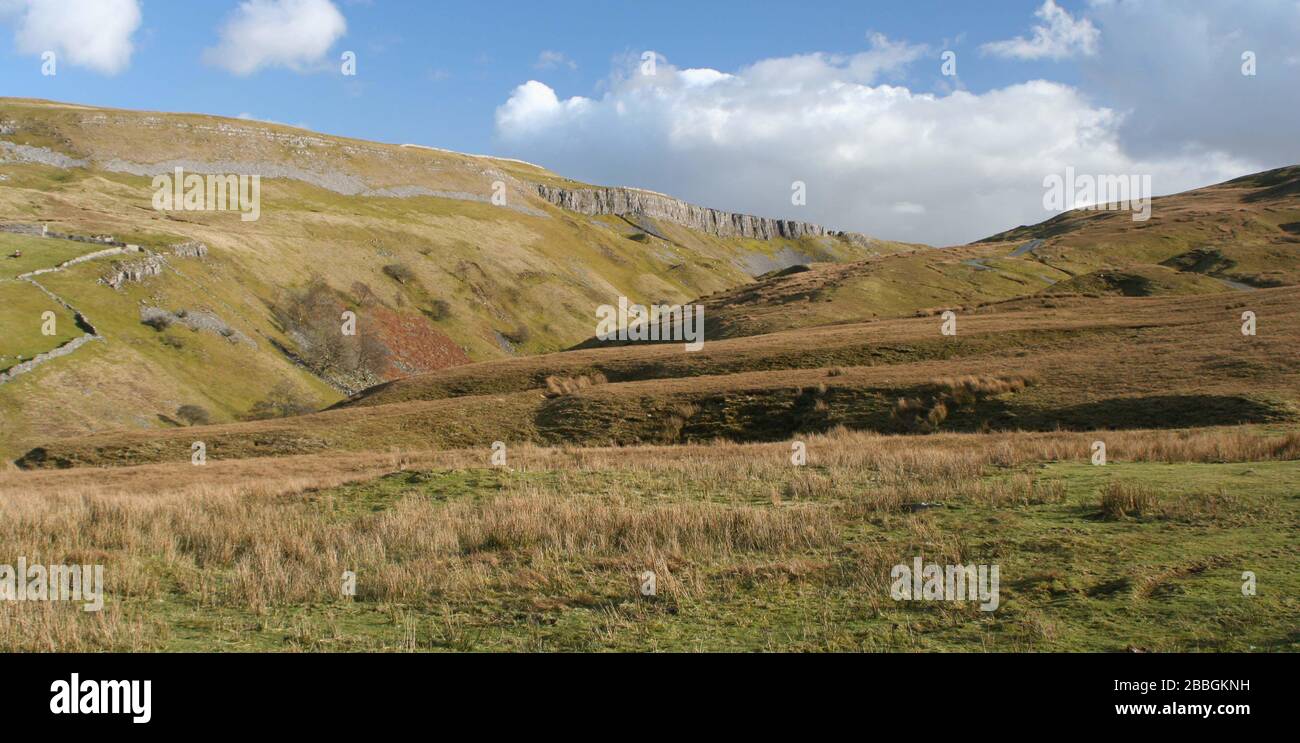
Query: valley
{"type": "Point", "coordinates": [494, 477]}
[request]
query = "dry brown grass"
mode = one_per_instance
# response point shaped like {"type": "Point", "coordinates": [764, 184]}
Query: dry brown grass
{"type": "Point", "coordinates": [1177, 362]}
{"type": "Point", "coordinates": [63, 627]}
{"type": "Point", "coordinates": [1093, 341]}
{"type": "Point", "coordinates": [254, 546]}
{"type": "Point", "coordinates": [1121, 501]}
{"type": "Point", "coordinates": [253, 535]}
{"type": "Point", "coordinates": [894, 457]}
{"type": "Point", "coordinates": [557, 386]}
{"type": "Point", "coordinates": [969, 388]}
{"type": "Point", "coordinates": [950, 394]}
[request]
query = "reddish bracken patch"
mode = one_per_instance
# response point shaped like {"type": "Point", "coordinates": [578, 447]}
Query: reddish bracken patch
{"type": "Point", "coordinates": [415, 345]}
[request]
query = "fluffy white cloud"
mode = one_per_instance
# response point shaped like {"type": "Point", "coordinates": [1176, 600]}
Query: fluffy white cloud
{"type": "Point", "coordinates": [88, 33]}
{"type": "Point", "coordinates": [277, 33]}
{"type": "Point", "coordinates": [535, 104]}
{"type": "Point", "coordinates": [1060, 36]}
{"type": "Point", "coordinates": [876, 158]}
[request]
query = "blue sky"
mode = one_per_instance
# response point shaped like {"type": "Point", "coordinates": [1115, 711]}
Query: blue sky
{"type": "Point", "coordinates": [433, 72]}
{"type": "Point", "coordinates": [812, 91]}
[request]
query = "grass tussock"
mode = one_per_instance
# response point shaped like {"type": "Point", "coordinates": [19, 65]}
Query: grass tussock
{"type": "Point", "coordinates": [1120, 501]}
{"type": "Point", "coordinates": [927, 412]}
{"type": "Point", "coordinates": [48, 627]}
{"type": "Point", "coordinates": [1124, 501]}
{"type": "Point", "coordinates": [971, 388]}
{"type": "Point", "coordinates": [557, 386]}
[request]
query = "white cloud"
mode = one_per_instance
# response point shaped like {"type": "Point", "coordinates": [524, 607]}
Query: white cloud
{"type": "Point", "coordinates": [876, 158]}
{"type": "Point", "coordinates": [87, 33]}
{"type": "Point", "coordinates": [535, 104]}
{"type": "Point", "coordinates": [702, 77]}
{"type": "Point", "coordinates": [1060, 38]}
{"type": "Point", "coordinates": [885, 57]}
{"type": "Point", "coordinates": [295, 34]}
{"type": "Point", "coordinates": [549, 60]}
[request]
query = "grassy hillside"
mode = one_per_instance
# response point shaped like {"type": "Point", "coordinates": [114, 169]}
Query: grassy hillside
{"type": "Point", "coordinates": [408, 239]}
{"type": "Point", "coordinates": [1246, 230]}
{"type": "Point", "coordinates": [1073, 362]}
{"type": "Point", "coordinates": [405, 237]}
{"type": "Point", "coordinates": [1236, 236]}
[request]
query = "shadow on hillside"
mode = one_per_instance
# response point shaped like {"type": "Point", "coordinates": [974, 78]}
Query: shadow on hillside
{"type": "Point", "coordinates": [40, 457]}
{"type": "Point", "coordinates": [774, 415]}
{"type": "Point", "coordinates": [598, 416]}
{"type": "Point", "coordinates": [1169, 411]}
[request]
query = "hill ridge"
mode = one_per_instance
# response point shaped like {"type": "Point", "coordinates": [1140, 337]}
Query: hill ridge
{"type": "Point", "coordinates": [305, 167]}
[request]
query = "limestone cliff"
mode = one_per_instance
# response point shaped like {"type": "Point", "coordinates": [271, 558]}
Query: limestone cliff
{"type": "Point", "coordinates": [634, 201]}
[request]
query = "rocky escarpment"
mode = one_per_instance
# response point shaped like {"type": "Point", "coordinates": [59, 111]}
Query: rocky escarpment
{"type": "Point", "coordinates": [634, 201]}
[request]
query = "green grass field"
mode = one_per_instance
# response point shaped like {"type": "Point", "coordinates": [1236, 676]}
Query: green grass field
{"type": "Point", "coordinates": [37, 252]}
{"type": "Point", "coordinates": [22, 316]}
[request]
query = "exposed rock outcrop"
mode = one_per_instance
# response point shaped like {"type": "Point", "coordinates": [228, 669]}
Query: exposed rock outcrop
{"type": "Point", "coordinates": [22, 153]}
{"type": "Point", "coordinates": [191, 249]}
{"type": "Point", "coordinates": [634, 201]}
{"type": "Point", "coordinates": [124, 271]}
{"type": "Point", "coordinates": [196, 320]}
